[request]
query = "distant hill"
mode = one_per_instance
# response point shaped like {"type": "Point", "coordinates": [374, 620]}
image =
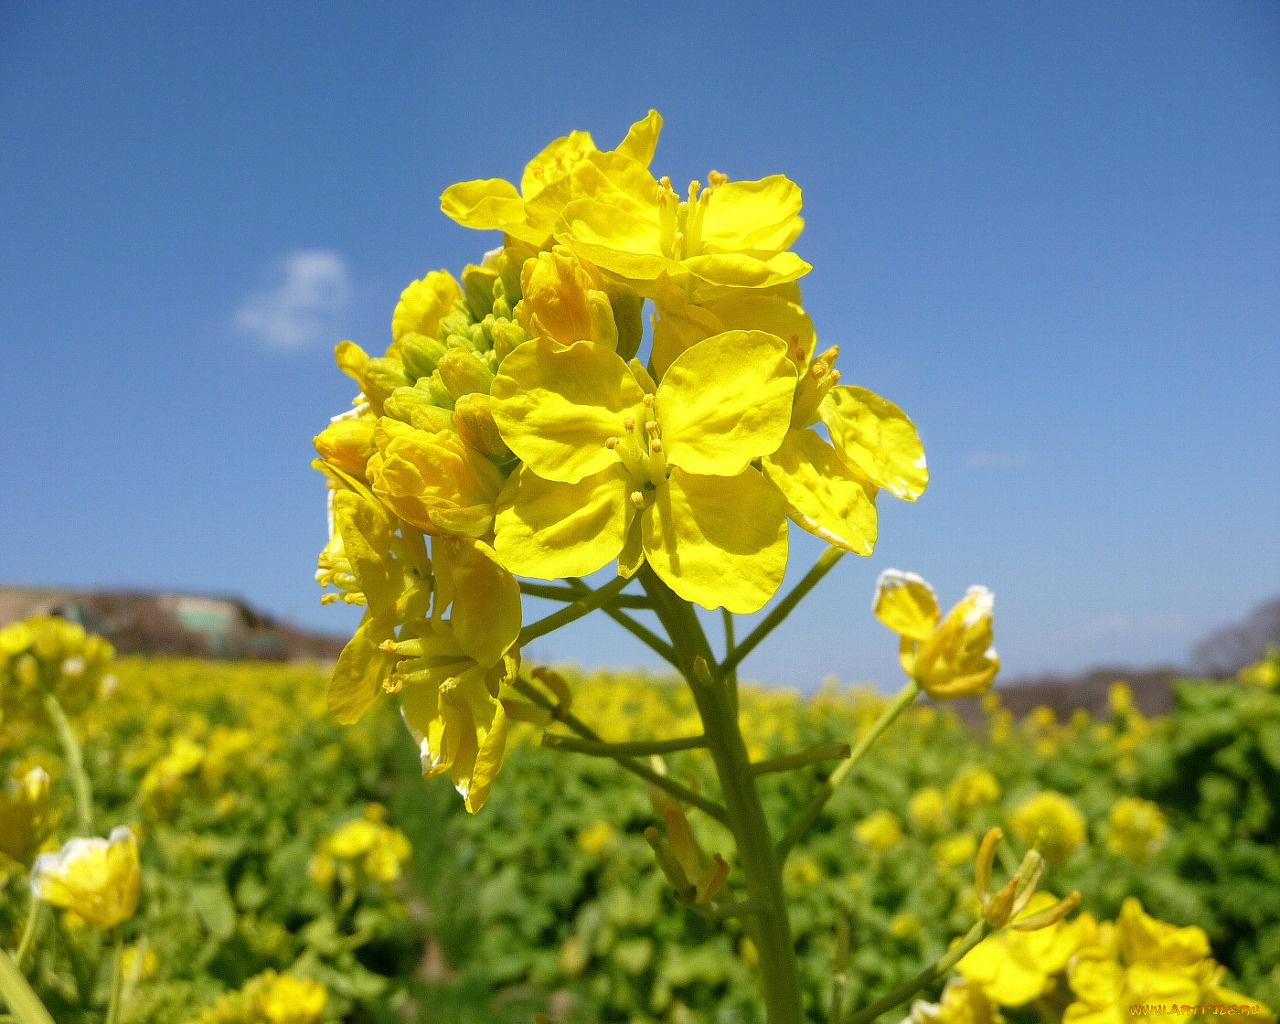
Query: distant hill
{"type": "Point", "coordinates": [1225, 651]}
{"type": "Point", "coordinates": [148, 622]}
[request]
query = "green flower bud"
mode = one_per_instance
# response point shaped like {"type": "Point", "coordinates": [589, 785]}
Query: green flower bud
{"type": "Point", "coordinates": [464, 373]}
{"type": "Point", "coordinates": [416, 407]}
{"type": "Point", "coordinates": [478, 284]}
{"type": "Point", "coordinates": [421, 355]}
{"type": "Point", "coordinates": [473, 418]}
{"type": "Point", "coordinates": [379, 377]}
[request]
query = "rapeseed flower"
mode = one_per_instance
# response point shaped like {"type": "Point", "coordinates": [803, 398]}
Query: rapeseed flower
{"type": "Point", "coordinates": [616, 468]}
{"type": "Point", "coordinates": [953, 657]}
{"type": "Point", "coordinates": [1137, 829]}
{"type": "Point", "coordinates": [97, 879]}
{"type": "Point", "coordinates": [927, 810]}
{"type": "Point", "coordinates": [1051, 822]}
{"type": "Point", "coordinates": [973, 787]}
{"type": "Point", "coordinates": [547, 186]}
{"type": "Point", "coordinates": [880, 830]}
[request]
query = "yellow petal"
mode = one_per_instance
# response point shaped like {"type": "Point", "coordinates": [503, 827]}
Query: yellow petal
{"type": "Point", "coordinates": [741, 270]}
{"type": "Point", "coordinates": [366, 532]}
{"type": "Point", "coordinates": [876, 436]}
{"type": "Point", "coordinates": [822, 494]}
{"type": "Point", "coordinates": [906, 604]}
{"type": "Point", "coordinates": [623, 242]}
{"type": "Point", "coordinates": [548, 529]}
{"type": "Point", "coordinates": [753, 215]}
{"type": "Point", "coordinates": [564, 299]}
{"type": "Point", "coordinates": [725, 402]}
{"type": "Point", "coordinates": [361, 669]}
{"type": "Point", "coordinates": [555, 161]}
{"type": "Point", "coordinates": [423, 303]}
{"type": "Point", "coordinates": [958, 660]}
{"type": "Point", "coordinates": [489, 204]}
{"type": "Point", "coordinates": [642, 138]}
{"type": "Point", "coordinates": [420, 708]}
{"type": "Point", "coordinates": [486, 598]}
{"type": "Point", "coordinates": [556, 407]}
{"type": "Point", "coordinates": [703, 546]}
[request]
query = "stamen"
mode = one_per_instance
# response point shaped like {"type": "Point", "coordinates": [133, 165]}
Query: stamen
{"type": "Point", "coordinates": [611, 443]}
{"type": "Point", "coordinates": [629, 424]}
{"type": "Point", "coordinates": [637, 499]}
{"type": "Point", "coordinates": [716, 178]}
{"type": "Point", "coordinates": [655, 446]}
{"type": "Point", "coordinates": [694, 187]}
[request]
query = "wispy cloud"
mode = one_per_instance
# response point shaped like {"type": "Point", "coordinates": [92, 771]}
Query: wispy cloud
{"type": "Point", "coordinates": [313, 289]}
{"type": "Point", "coordinates": [997, 460]}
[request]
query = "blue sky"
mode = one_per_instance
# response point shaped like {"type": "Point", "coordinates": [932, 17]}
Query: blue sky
{"type": "Point", "coordinates": [1050, 232]}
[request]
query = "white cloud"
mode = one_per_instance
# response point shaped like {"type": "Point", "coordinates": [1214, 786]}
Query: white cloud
{"type": "Point", "coordinates": [314, 289]}
{"type": "Point", "coordinates": [997, 460]}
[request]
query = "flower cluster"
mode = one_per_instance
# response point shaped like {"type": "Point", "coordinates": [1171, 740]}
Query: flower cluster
{"type": "Point", "coordinates": [269, 998]}
{"type": "Point", "coordinates": [521, 424]}
{"type": "Point", "coordinates": [44, 655]}
{"type": "Point", "coordinates": [365, 849]}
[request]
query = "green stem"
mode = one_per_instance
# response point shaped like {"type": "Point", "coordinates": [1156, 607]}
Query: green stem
{"type": "Point", "coordinates": [629, 748]}
{"type": "Point", "coordinates": [572, 721]}
{"type": "Point", "coordinates": [554, 592]}
{"type": "Point", "coordinates": [789, 762]}
{"type": "Point", "coordinates": [117, 978]}
{"type": "Point", "coordinates": [572, 612]}
{"type": "Point", "coordinates": [761, 869]}
{"type": "Point", "coordinates": [840, 978]}
{"type": "Point", "coordinates": [22, 1000]}
{"type": "Point", "coordinates": [825, 563]}
{"type": "Point", "coordinates": [819, 799]}
{"type": "Point", "coordinates": [74, 756]}
{"type": "Point", "coordinates": [28, 931]}
{"type": "Point", "coordinates": [926, 977]}
{"type": "Point", "coordinates": [645, 635]}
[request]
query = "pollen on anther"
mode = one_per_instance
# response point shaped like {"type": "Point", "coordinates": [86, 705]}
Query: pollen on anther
{"type": "Point", "coordinates": [637, 499]}
{"type": "Point", "coordinates": [655, 446]}
{"type": "Point", "coordinates": [648, 401]}
{"type": "Point", "coordinates": [393, 684]}
{"type": "Point", "coordinates": [611, 443]}
{"type": "Point", "coordinates": [629, 424]}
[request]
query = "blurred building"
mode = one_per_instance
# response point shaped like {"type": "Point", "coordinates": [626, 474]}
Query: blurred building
{"type": "Point", "coordinates": [161, 623]}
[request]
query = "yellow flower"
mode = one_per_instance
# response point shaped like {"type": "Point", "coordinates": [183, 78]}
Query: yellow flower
{"type": "Point", "coordinates": [379, 849]}
{"type": "Point", "coordinates": [954, 850]}
{"type": "Point", "coordinates": [1014, 967]}
{"type": "Point", "coordinates": [47, 654]}
{"type": "Point", "coordinates": [616, 468]}
{"type": "Point", "coordinates": [98, 879]}
{"type": "Point", "coordinates": [953, 658]}
{"type": "Point", "coordinates": [906, 925]}
{"type": "Point", "coordinates": [423, 304]}
{"type": "Point", "coordinates": [732, 233]}
{"type": "Point", "coordinates": [286, 999]}
{"type": "Point", "coordinates": [565, 300]}
{"type": "Point", "coordinates": [24, 816]}
{"type": "Point", "coordinates": [1265, 673]}
{"type": "Point", "coordinates": [927, 809]}
{"type": "Point", "coordinates": [546, 186]}
{"type": "Point", "coordinates": [1142, 961]}
{"type": "Point", "coordinates": [1138, 828]}
{"type": "Point", "coordinates": [880, 830]}
{"type": "Point", "coordinates": [347, 442]}
{"type": "Point", "coordinates": [595, 838]}
{"type": "Point", "coordinates": [972, 787]}
{"type": "Point", "coordinates": [434, 481]}
{"type": "Point", "coordinates": [1053, 821]}
{"type": "Point", "coordinates": [961, 1003]}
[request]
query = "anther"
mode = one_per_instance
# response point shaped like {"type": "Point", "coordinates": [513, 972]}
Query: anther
{"type": "Point", "coordinates": [393, 684]}
{"type": "Point", "coordinates": [611, 443]}
{"type": "Point", "coordinates": [629, 424]}
{"type": "Point", "coordinates": [716, 178]}
{"type": "Point", "coordinates": [655, 446]}
{"type": "Point", "coordinates": [648, 401]}
{"type": "Point", "coordinates": [694, 187]}
{"type": "Point", "coordinates": [637, 499]}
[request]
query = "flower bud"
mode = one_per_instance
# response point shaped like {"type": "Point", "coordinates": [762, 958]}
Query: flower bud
{"type": "Point", "coordinates": [347, 443]}
{"type": "Point", "coordinates": [417, 407]}
{"type": "Point", "coordinates": [464, 373]}
{"type": "Point", "coordinates": [478, 285]}
{"type": "Point", "coordinates": [507, 336]}
{"type": "Point", "coordinates": [423, 305]}
{"type": "Point", "coordinates": [473, 419]}
{"type": "Point", "coordinates": [421, 354]}
{"type": "Point", "coordinates": [564, 299]}
{"type": "Point", "coordinates": [435, 481]}
{"type": "Point", "coordinates": [98, 879]}
{"type": "Point", "coordinates": [379, 377]}
{"type": "Point", "coordinates": [958, 659]}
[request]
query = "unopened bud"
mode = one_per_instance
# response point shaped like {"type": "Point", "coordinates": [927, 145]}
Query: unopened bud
{"type": "Point", "coordinates": [347, 444]}
{"type": "Point", "coordinates": [985, 859]}
{"type": "Point", "coordinates": [554, 682]}
{"type": "Point", "coordinates": [473, 416]}
{"type": "Point", "coordinates": [997, 910]}
{"type": "Point", "coordinates": [421, 355]}
{"type": "Point", "coordinates": [477, 284]}
{"type": "Point", "coordinates": [464, 373]}
{"type": "Point", "coordinates": [1049, 916]}
{"type": "Point", "coordinates": [507, 335]}
{"type": "Point", "coordinates": [379, 377]}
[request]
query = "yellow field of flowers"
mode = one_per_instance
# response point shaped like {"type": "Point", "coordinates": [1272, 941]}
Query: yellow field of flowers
{"type": "Point", "coordinates": [268, 865]}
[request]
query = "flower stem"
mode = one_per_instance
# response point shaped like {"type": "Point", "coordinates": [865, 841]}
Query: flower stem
{"type": "Point", "coordinates": [802, 759]}
{"type": "Point", "coordinates": [767, 922]}
{"type": "Point", "coordinates": [646, 636]}
{"type": "Point", "coordinates": [819, 799]}
{"type": "Point", "coordinates": [926, 977]}
{"type": "Point", "coordinates": [74, 755]}
{"type": "Point", "coordinates": [825, 563]}
{"type": "Point", "coordinates": [584, 605]}
{"type": "Point", "coordinates": [22, 1000]}
{"type": "Point", "coordinates": [571, 593]}
{"type": "Point", "coordinates": [572, 721]}
{"type": "Point", "coordinates": [28, 931]}
{"type": "Point", "coordinates": [117, 978]}
{"type": "Point", "coordinates": [629, 748]}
